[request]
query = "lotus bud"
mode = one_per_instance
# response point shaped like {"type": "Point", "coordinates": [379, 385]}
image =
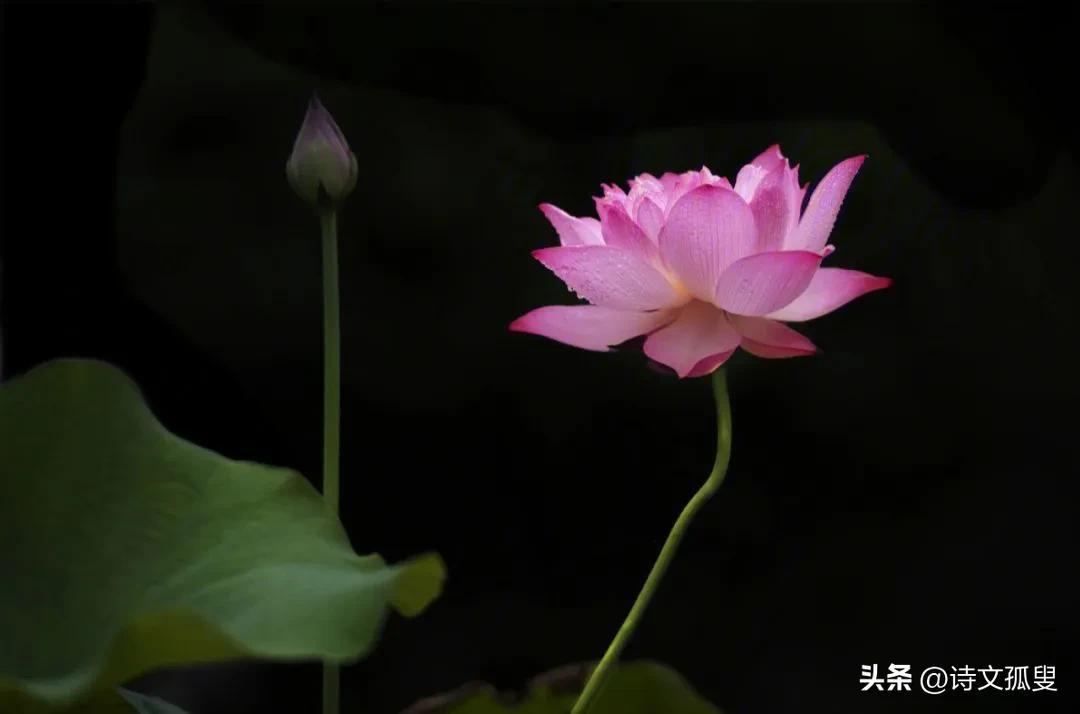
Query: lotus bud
{"type": "Point", "coordinates": [321, 168]}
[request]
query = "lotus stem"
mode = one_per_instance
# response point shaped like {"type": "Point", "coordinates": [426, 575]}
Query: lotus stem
{"type": "Point", "coordinates": [331, 684]}
{"type": "Point", "coordinates": [595, 683]}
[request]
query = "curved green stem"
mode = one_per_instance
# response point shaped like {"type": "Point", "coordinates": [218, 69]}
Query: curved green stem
{"type": "Point", "coordinates": [331, 684]}
{"type": "Point", "coordinates": [595, 683]}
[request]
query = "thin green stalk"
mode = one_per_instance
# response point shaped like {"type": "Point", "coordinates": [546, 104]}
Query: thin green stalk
{"type": "Point", "coordinates": [331, 685]}
{"type": "Point", "coordinates": [596, 680]}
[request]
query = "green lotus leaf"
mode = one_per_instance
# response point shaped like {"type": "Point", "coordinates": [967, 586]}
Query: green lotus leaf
{"type": "Point", "coordinates": [124, 548]}
{"type": "Point", "coordinates": [642, 687]}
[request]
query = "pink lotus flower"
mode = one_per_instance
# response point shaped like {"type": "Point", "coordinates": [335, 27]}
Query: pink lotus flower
{"type": "Point", "coordinates": [701, 267]}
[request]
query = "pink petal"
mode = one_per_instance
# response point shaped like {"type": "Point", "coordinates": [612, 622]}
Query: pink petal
{"type": "Point", "coordinates": [678, 185]}
{"type": "Point", "coordinates": [829, 289]}
{"type": "Point", "coordinates": [644, 187]}
{"type": "Point", "coordinates": [751, 175]}
{"type": "Point", "coordinates": [571, 230]}
{"type": "Point", "coordinates": [620, 231]}
{"type": "Point", "coordinates": [610, 276]}
{"type": "Point", "coordinates": [669, 181]}
{"type": "Point", "coordinates": [775, 206]}
{"type": "Point", "coordinates": [747, 180]}
{"type": "Point", "coordinates": [817, 220]}
{"type": "Point", "coordinates": [770, 158]}
{"type": "Point", "coordinates": [699, 340]}
{"type": "Point", "coordinates": [614, 194]}
{"type": "Point", "coordinates": [651, 218]}
{"type": "Point", "coordinates": [706, 231]}
{"type": "Point", "coordinates": [765, 282]}
{"type": "Point", "coordinates": [589, 327]}
{"type": "Point", "coordinates": [708, 365]}
{"type": "Point", "coordinates": [646, 183]}
{"type": "Point", "coordinates": [769, 339]}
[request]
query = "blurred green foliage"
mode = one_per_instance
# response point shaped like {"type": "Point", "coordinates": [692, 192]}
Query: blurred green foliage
{"type": "Point", "coordinates": [641, 687]}
{"type": "Point", "coordinates": [124, 548]}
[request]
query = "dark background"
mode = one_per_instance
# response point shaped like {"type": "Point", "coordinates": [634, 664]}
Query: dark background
{"type": "Point", "coordinates": [907, 496]}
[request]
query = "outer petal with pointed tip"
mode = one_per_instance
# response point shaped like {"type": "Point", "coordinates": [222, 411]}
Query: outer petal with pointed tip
{"type": "Point", "coordinates": [610, 276]}
{"type": "Point", "coordinates": [751, 175]}
{"type": "Point", "coordinates": [770, 158]}
{"type": "Point", "coordinates": [696, 343]}
{"type": "Point", "coordinates": [571, 230]}
{"type": "Point", "coordinates": [770, 339]}
{"type": "Point", "coordinates": [829, 289]}
{"type": "Point", "coordinates": [590, 327]}
{"type": "Point", "coordinates": [765, 282]}
{"type": "Point", "coordinates": [707, 230]}
{"type": "Point", "coordinates": [775, 205]}
{"type": "Point", "coordinates": [820, 215]}
{"type": "Point", "coordinates": [619, 230]}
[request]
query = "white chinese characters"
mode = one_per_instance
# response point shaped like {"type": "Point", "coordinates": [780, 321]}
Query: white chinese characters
{"type": "Point", "coordinates": [938, 680]}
